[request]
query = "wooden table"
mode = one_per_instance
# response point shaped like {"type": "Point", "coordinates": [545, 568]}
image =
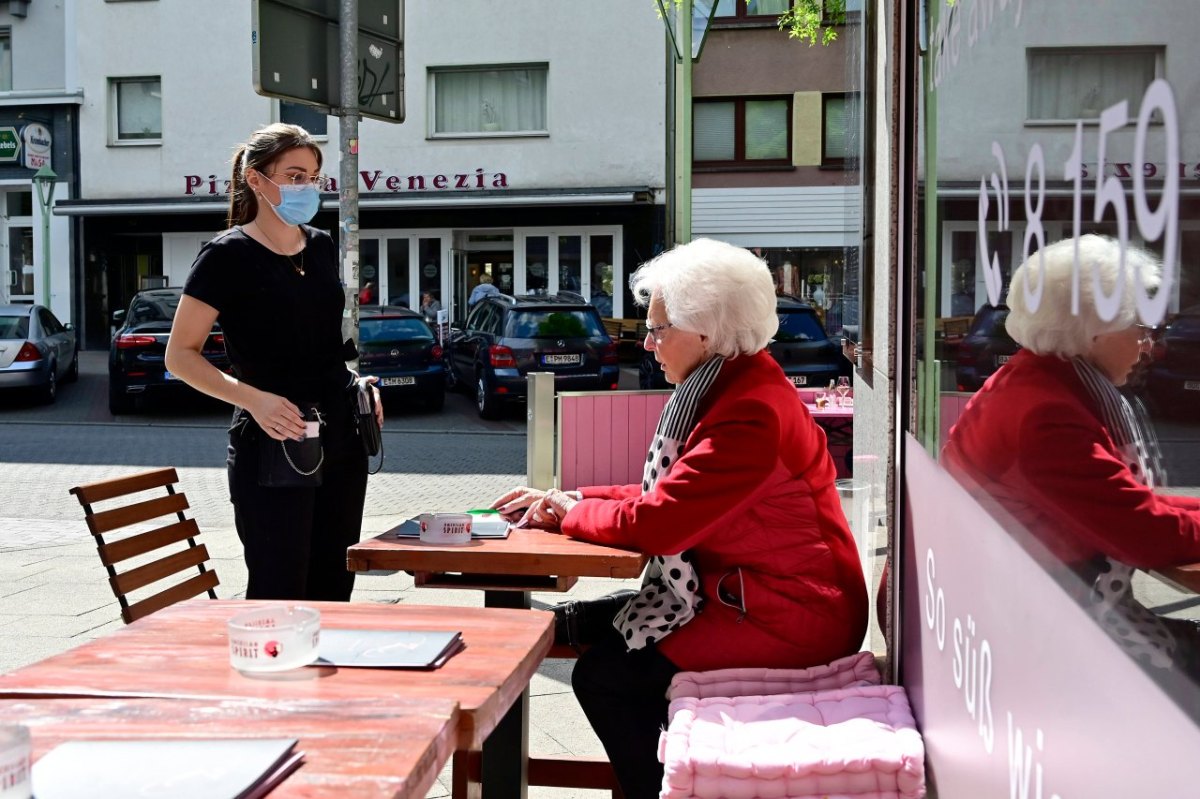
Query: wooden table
{"type": "Point", "coordinates": [358, 749]}
{"type": "Point", "coordinates": [506, 570]}
{"type": "Point", "coordinates": [182, 651]}
{"type": "Point", "coordinates": [1184, 578]}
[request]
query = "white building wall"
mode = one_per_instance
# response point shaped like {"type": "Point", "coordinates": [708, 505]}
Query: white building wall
{"type": "Point", "coordinates": [605, 102]}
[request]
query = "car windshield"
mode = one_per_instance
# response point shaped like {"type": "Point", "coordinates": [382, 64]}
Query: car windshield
{"type": "Point", "coordinates": [153, 309]}
{"type": "Point", "coordinates": [392, 331]}
{"type": "Point", "coordinates": [799, 326]}
{"type": "Point", "coordinates": [989, 321]}
{"type": "Point", "coordinates": [14, 326]}
{"type": "Point", "coordinates": [554, 324]}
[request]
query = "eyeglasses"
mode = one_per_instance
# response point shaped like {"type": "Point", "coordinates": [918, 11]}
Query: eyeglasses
{"type": "Point", "coordinates": [1149, 333]}
{"type": "Point", "coordinates": [300, 178]}
{"type": "Point", "coordinates": [656, 332]}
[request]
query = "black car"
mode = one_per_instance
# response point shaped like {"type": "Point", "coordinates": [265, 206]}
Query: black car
{"type": "Point", "coordinates": [504, 338]}
{"type": "Point", "coordinates": [808, 356]}
{"type": "Point", "coordinates": [399, 347]}
{"type": "Point", "coordinates": [986, 347]}
{"type": "Point", "coordinates": [1173, 374]}
{"type": "Point", "coordinates": [136, 359]}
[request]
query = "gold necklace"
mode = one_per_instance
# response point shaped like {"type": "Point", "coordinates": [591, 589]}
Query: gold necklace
{"type": "Point", "coordinates": [299, 269]}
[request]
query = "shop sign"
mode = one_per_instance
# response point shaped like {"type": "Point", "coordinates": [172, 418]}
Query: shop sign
{"type": "Point", "coordinates": [38, 144]}
{"type": "Point", "coordinates": [10, 145]}
{"type": "Point", "coordinates": [375, 181]}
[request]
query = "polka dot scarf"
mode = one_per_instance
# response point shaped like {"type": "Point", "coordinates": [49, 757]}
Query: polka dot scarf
{"type": "Point", "coordinates": [1139, 631]}
{"type": "Point", "coordinates": [669, 597]}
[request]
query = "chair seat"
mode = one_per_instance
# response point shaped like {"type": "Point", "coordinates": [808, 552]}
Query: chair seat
{"type": "Point", "coordinates": [859, 742]}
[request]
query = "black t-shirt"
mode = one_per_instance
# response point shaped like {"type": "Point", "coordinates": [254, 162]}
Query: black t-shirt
{"type": "Point", "coordinates": [283, 330]}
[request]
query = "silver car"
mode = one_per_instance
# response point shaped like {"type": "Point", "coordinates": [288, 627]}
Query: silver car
{"type": "Point", "coordinates": [36, 350]}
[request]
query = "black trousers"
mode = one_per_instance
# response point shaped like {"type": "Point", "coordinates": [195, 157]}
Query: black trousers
{"type": "Point", "coordinates": [295, 539]}
{"type": "Point", "coordinates": [623, 693]}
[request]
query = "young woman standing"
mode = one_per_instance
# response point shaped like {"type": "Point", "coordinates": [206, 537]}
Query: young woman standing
{"type": "Point", "coordinates": [272, 283]}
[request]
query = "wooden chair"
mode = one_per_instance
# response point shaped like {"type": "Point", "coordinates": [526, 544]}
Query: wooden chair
{"type": "Point", "coordinates": [117, 544]}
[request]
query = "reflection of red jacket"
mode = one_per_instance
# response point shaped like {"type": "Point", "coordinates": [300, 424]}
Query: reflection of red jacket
{"type": "Point", "coordinates": [752, 489]}
{"type": "Point", "coordinates": [1031, 440]}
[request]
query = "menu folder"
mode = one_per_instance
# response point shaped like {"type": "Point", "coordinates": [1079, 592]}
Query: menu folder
{"type": "Point", "coordinates": [388, 649]}
{"type": "Point", "coordinates": [213, 768]}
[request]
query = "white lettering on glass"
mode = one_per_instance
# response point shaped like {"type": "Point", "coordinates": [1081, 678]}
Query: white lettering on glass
{"type": "Point", "coordinates": [1159, 224]}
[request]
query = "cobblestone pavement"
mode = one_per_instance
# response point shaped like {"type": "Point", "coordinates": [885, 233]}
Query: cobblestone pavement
{"type": "Point", "coordinates": [53, 590]}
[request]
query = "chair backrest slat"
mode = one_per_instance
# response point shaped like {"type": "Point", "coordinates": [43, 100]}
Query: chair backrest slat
{"type": "Point", "coordinates": [120, 486]}
{"type": "Point", "coordinates": [109, 520]}
{"type": "Point", "coordinates": [170, 545]}
{"type": "Point", "coordinates": [185, 590]}
{"type": "Point", "coordinates": [116, 551]}
{"type": "Point", "coordinates": [156, 570]}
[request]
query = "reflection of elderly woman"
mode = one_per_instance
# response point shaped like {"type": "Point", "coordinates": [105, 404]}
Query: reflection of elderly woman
{"type": "Point", "coordinates": [754, 564]}
{"type": "Point", "coordinates": [1052, 441]}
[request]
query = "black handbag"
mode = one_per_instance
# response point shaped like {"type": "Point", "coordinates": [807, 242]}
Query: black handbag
{"type": "Point", "coordinates": [583, 622]}
{"type": "Point", "coordinates": [293, 464]}
{"type": "Point", "coordinates": [366, 421]}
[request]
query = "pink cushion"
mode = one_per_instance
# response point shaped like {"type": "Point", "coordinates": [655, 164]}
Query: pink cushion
{"type": "Point", "coordinates": [856, 669]}
{"type": "Point", "coordinates": [852, 742]}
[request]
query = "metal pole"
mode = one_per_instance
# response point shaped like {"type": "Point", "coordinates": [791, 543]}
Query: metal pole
{"type": "Point", "coordinates": [683, 160]}
{"type": "Point", "coordinates": [348, 166]}
{"type": "Point", "coordinates": [539, 438]}
{"type": "Point", "coordinates": [46, 244]}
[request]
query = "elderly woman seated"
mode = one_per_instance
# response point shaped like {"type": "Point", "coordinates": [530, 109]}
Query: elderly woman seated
{"type": "Point", "coordinates": [753, 563]}
{"type": "Point", "coordinates": [1052, 442]}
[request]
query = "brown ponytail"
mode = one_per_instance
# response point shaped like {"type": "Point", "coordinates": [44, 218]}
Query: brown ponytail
{"type": "Point", "coordinates": [263, 147]}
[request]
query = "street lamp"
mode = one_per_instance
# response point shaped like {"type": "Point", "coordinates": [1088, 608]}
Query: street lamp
{"type": "Point", "coordinates": [45, 179]}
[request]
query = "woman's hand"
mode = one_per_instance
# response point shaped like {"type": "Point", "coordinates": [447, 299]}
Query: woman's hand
{"type": "Point", "coordinates": [372, 379]}
{"type": "Point", "coordinates": [513, 504]}
{"type": "Point", "coordinates": [280, 419]}
{"type": "Point", "coordinates": [548, 512]}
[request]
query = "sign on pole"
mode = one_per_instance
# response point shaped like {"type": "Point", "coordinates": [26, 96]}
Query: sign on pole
{"type": "Point", "coordinates": [297, 54]}
{"type": "Point", "coordinates": [10, 145]}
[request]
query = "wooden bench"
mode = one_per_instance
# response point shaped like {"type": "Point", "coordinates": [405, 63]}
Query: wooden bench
{"type": "Point", "coordinates": [628, 334]}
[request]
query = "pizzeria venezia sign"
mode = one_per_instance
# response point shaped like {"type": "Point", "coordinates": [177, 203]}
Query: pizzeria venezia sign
{"type": "Point", "coordinates": [374, 181]}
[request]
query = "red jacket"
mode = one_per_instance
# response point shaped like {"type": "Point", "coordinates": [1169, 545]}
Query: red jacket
{"type": "Point", "coordinates": [754, 489]}
{"type": "Point", "coordinates": [1031, 440]}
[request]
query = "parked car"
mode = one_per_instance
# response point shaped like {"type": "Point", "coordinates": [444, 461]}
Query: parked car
{"type": "Point", "coordinates": [400, 348]}
{"type": "Point", "coordinates": [136, 367]}
{"type": "Point", "coordinates": [984, 349]}
{"type": "Point", "coordinates": [808, 356]}
{"type": "Point", "coordinates": [1172, 378]}
{"type": "Point", "coordinates": [36, 351]}
{"type": "Point", "coordinates": [504, 338]}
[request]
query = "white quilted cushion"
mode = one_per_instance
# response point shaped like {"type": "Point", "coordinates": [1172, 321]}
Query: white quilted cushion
{"type": "Point", "coordinates": [853, 742]}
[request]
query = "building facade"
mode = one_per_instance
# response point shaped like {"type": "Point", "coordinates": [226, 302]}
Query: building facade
{"type": "Point", "coordinates": [530, 155]}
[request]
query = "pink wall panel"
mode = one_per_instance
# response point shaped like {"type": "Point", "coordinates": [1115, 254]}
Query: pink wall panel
{"type": "Point", "coordinates": [603, 438]}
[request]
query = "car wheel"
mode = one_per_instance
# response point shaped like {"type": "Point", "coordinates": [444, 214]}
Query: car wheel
{"type": "Point", "coordinates": [50, 390]}
{"type": "Point", "coordinates": [118, 402]}
{"type": "Point", "coordinates": [73, 373]}
{"type": "Point", "coordinates": [435, 400]}
{"type": "Point", "coordinates": [489, 407]}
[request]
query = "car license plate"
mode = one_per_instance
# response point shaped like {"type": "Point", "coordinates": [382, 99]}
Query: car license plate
{"type": "Point", "coordinates": [561, 360]}
{"type": "Point", "coordinates": [1191, 385]}
{"type": "Point", "coordinates": [800, 380]}
{"type": "Point", "coordinates": [168, 376]}
{"type": "Point", "coordinates": [398, 381]}
{"type": "Point", "coordinates": [1002, 359]}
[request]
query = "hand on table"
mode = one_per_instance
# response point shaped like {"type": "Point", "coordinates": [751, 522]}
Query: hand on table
{"type": "Point", "coordinates": [532, 507]}
{"type": "Point", "coordinates": [512, 505]}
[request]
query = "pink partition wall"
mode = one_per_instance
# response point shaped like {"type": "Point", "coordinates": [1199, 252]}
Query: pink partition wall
{"type": "Point", "coordinates": [603, 436]}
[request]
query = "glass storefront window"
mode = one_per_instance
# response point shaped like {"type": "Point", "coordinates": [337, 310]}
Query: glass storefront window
{"type": "Point", "coordinates": [397, 273]}
{"type": "Point", "coordinates": [369, 290]}
{"type": "Point", "coordinates": [20, 262]}
{"type": "Point", "coordinates": [537, 256]}
{"type": "Point", "coordinates": [1057, 290]}
{"type": "Point", "coordinates": [570, 261]}
{"type": "Point", "coordinates": [429, 254]}
{"type": "Point", "coordinates": [601, 248]}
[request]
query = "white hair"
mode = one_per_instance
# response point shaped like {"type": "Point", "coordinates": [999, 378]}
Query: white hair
{"type": "Point", "coordinates": [1052, 329]}
{"type": "Point", "coordinates": [715, 289]}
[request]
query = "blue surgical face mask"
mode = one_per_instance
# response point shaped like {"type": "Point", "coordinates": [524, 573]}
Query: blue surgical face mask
{"type": "Point", "coordinates": [297, 204]}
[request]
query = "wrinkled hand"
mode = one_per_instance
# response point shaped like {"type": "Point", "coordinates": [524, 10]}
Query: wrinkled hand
{"type": "Point", "coordinates": [280, 419]}
{"type": "Point", "coordinates": [548, 512]}
{"type": "Point", "coordinates": [512, 505]}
